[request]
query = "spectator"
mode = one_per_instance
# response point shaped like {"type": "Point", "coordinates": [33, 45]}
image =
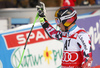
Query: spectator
{"type": "Point", "coordinates": [6, 4]}
{"type": "Point", "coordinates": [92, 2]}
{"type": "Point", "coordinates": [25, 3]}
{"type": "Point", "coordinates": [18, 3]}
{"type": "Point", "coordinates": [78, 2]}
{"type": "Point", "coordinates": [84, 3]}
{"type": "Point", "coordinates": [51, 3]}
{"type": "Point", "coordinates": [68, 2]}
{"type": "Point", "coordinates": [33, 3]}
{"type": "Point", "coordinates": [87, 2]}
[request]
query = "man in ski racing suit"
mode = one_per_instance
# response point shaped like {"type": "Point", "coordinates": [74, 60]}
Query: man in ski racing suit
{"type": "Point", "coordinates": [77, 49]}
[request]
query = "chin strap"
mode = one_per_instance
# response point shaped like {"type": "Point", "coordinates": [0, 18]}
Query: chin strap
{"type": "Point", "coordinates": [66, 29]}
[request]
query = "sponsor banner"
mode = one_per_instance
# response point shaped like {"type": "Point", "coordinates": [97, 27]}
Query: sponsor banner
{"type": "Point", "coordinates": [19, 39]}
{"type": "Point", "coordinates": [41, 55]}
{"type": "Point", "coordinates": [41, 51]}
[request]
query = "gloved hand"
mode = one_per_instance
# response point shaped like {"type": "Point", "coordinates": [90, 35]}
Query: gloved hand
{"type": "Point", "coordinates": [88, 63]}
{"type": "Point", "coordinates": [41, 9]}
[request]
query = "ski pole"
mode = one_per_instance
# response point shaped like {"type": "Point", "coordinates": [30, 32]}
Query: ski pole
{"type": "Point", "coordinates": [37, 16]}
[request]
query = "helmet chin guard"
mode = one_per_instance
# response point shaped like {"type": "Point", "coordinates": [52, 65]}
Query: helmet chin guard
{"type": "Point", "coordinates": [66, 15]}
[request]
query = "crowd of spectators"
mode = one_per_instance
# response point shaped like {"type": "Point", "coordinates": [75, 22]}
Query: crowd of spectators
{"type": "Point", "coordinates": [48, 3]}
{"type": "Point", "coordinates": [77, 2]}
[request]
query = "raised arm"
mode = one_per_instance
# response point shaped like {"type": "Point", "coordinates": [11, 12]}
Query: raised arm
{"type": "Point", "coordinates": [51, 31]}
{"type": "Point", "coordinates": [86, 49]}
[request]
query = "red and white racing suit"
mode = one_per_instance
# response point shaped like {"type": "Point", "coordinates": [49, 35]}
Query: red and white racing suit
{"type": "Point", "coordinates": [77, 50]}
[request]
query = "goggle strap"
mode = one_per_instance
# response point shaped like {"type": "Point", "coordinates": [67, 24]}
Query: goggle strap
{"type": "Point", "coordinates": [68, 16]}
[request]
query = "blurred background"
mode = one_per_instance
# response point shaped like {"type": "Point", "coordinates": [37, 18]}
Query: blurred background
{"type": "Point", "coordinates": [25, 11]}
{"type": "Point", "coordinates": [48, 3]}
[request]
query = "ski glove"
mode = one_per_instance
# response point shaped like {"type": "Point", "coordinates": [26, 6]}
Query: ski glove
{"type": "Point", "coordinates": [41, 9]}
{"type": "Point", "coordinates": [88, 63]}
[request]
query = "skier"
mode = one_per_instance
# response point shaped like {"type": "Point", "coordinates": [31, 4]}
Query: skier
{"type": "Point", "coordinates": [77, 49]}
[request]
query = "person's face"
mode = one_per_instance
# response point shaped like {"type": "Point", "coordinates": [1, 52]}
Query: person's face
{"type": "Point", "coordinates": [62, 28]}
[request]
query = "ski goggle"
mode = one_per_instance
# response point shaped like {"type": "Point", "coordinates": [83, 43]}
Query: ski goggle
{"type": "Point", "coordinates": [57, 21]}
{"type": "Point", "coordinates": [69, 18]}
